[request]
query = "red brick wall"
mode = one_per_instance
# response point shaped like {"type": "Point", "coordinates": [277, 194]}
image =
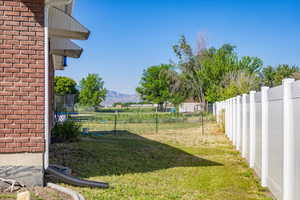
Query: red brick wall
{"type": "Point", "coordinates": [21, 76]}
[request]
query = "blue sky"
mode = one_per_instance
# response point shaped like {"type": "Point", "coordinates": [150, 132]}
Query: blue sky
{"type": "Point", "coordinates": [131, 35]}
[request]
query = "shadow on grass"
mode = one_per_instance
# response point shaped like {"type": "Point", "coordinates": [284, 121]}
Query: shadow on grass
{"type": "Point", "coordinates": [121, 153]}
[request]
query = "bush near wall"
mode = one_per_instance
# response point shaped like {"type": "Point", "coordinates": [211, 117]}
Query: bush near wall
{"type": "Point", "coordinates": [67, 131]}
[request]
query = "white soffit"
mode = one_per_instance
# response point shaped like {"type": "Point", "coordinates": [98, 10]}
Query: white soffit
{"type": "Point", "coordinates": [64, 47]}
{"type": "Point", "coordinates": [64, 25]}
{"type": "Point", "coordinates": [58, 62]}
{"type": "Point", "coordinates": [60, 4]}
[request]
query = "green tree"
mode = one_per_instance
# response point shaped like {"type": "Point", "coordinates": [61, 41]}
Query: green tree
{"type": "Point", "coordinates": [154, 85]}
{"type": "Point", "coordinates": [284, 71]}
{"type": "Point", "coordinates": [273, 76]}
{"type": "Point", "coordinates": [92, 91]}
{"type": "Point", "coordinates": [203, 72]}
{"type": "Point", "coordinates": [189, 66]}
{"type": "Point", "coordinates": [238, 83]}
{"type": "Point", "coordinates": [64, 85]}
{"type": "Point", "coordinates": [267, 75]}
{"type": "Point", "coordinates": [219, 64]}
{"type": "Point", "coordinates": [179, 88]}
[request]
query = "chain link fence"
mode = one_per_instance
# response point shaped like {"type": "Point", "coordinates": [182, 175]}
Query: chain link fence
{"type": "Point", "coordinates": [101, 123]}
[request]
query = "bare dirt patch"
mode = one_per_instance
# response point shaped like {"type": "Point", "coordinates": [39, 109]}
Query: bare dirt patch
{"type": "Point", "coordinates": [38, 193]}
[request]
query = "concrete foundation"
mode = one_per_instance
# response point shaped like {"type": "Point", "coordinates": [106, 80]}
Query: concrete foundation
{"type": "Point", "coordinates": [27, 168]}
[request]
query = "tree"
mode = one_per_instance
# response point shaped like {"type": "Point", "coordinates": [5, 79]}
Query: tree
{"type": "Point", "coordinates": [273, 76]}
{"type": "Point", "coordinates": [179, 88]}
{"type": "Point", "coordinates": [238, 83]}
{"type": "Point", "coordinates": [203, 73]}
{"type": "Point", "coordinates": [267, 76]}
{"type": "Point", "coordinates": [189, 67]}
{"type": "Point", "coordinates": [92, 91]}
{"type": "Point", "coordinates": [64, 85]}
{"type": "Point", "coordinates": [154, 85]}
{"type": "Point", "coordinates": [284, 71]}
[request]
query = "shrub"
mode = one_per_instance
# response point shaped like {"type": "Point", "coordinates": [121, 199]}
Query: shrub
{"type": "Point", "coordinates": [67, 131]}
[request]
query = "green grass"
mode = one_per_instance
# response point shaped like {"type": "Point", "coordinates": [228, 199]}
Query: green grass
{"type": "Point", "coordinates": [13, 196]}
{"type": "Point", "coordinates": [178, 163]}
{"type": "Point", "coordinates": [8, 196]}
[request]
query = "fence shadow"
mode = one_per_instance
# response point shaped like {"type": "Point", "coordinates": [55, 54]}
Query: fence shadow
{"type": "Point", "coordinates": [121, 153]}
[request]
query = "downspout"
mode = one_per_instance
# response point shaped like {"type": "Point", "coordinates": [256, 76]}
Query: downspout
{"type": "Point", "coordinates": [46, 55]}
{"type": "Point", "coordinates": [49, 169]}
{"type": "Point", "coordinates": [46, 114]}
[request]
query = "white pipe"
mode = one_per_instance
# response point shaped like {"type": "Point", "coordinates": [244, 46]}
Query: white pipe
{"type": "Point", "coordinates": [46, 114]}
{"type": "Point", "coordinates": [72, 193]}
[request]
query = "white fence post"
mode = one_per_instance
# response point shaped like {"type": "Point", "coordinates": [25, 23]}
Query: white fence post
{"type": "Point", "coordinates": [238, 121]}
{"type": "Point", "coordinates": [252, 129]}
{"type": "Point", "coordinates": [217, 112]}
{"type": "Point", "coordinates": [264, 136]}
{"type": "Point", "coordinates": [226, 118]}
{"type": "Point", "coordinates": [244, 129]}
{"type": "Point", "coordinates": [231, 119]}
{"type": "Point", "coordinates": [214, 109]}
{"type": "Point", "coordinates": [288, 142]}
{"type": "Point", "coordinates": [235, 121]}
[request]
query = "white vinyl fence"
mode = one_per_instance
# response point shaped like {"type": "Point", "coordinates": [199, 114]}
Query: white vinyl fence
{"type": "Point", "coordinates": [265, 127]}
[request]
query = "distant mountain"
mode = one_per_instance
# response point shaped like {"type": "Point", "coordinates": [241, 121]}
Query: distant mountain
{"type": "Point", "coordinates": [114, 97]}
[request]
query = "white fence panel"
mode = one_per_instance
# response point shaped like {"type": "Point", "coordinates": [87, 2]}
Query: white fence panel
{"type": "Point", "coordinates": [275, 168]}
{"type": "Point", "coordinates": [258, 126]}
{"type": "Point", "coordinates": [244, 125]}
{"type": "Point", "coordinates": [297, 140]}
{"type": "Point", "coordinates": [248, 128]}
{"type": "Point", "coordinates": [265, 129]}
{"type": "Point", "coordinates": [296, 128]}
{"type": "Point", "coordinates": [239, 123]}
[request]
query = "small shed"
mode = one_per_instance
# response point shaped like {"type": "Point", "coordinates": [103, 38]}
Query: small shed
{"type": "Point", "coordinates": [190, 106]}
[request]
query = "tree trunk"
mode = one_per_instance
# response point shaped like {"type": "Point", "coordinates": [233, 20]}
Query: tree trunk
{"type": "Point", "coordinates": [160, 107]}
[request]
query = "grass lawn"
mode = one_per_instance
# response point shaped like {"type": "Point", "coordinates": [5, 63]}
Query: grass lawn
{"type": "Point", "coordinates": [8, 196]}
{"type": "Point", "coordinates": [177, 163]}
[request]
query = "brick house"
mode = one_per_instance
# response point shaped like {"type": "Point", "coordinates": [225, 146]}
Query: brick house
{"type": "Point", "coordinates": [34, 42]}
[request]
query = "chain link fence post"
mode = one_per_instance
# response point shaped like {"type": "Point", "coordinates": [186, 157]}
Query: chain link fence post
{"type": "Point", "coordinates": [115, 122]}
{"type": "Point", "coordinates": [202, 119]}
{"type": "Point", "coordinates": [156, 123]}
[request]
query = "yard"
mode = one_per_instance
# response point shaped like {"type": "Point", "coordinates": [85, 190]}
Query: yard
{"type": "Point", "coordinates": [178, 162]}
